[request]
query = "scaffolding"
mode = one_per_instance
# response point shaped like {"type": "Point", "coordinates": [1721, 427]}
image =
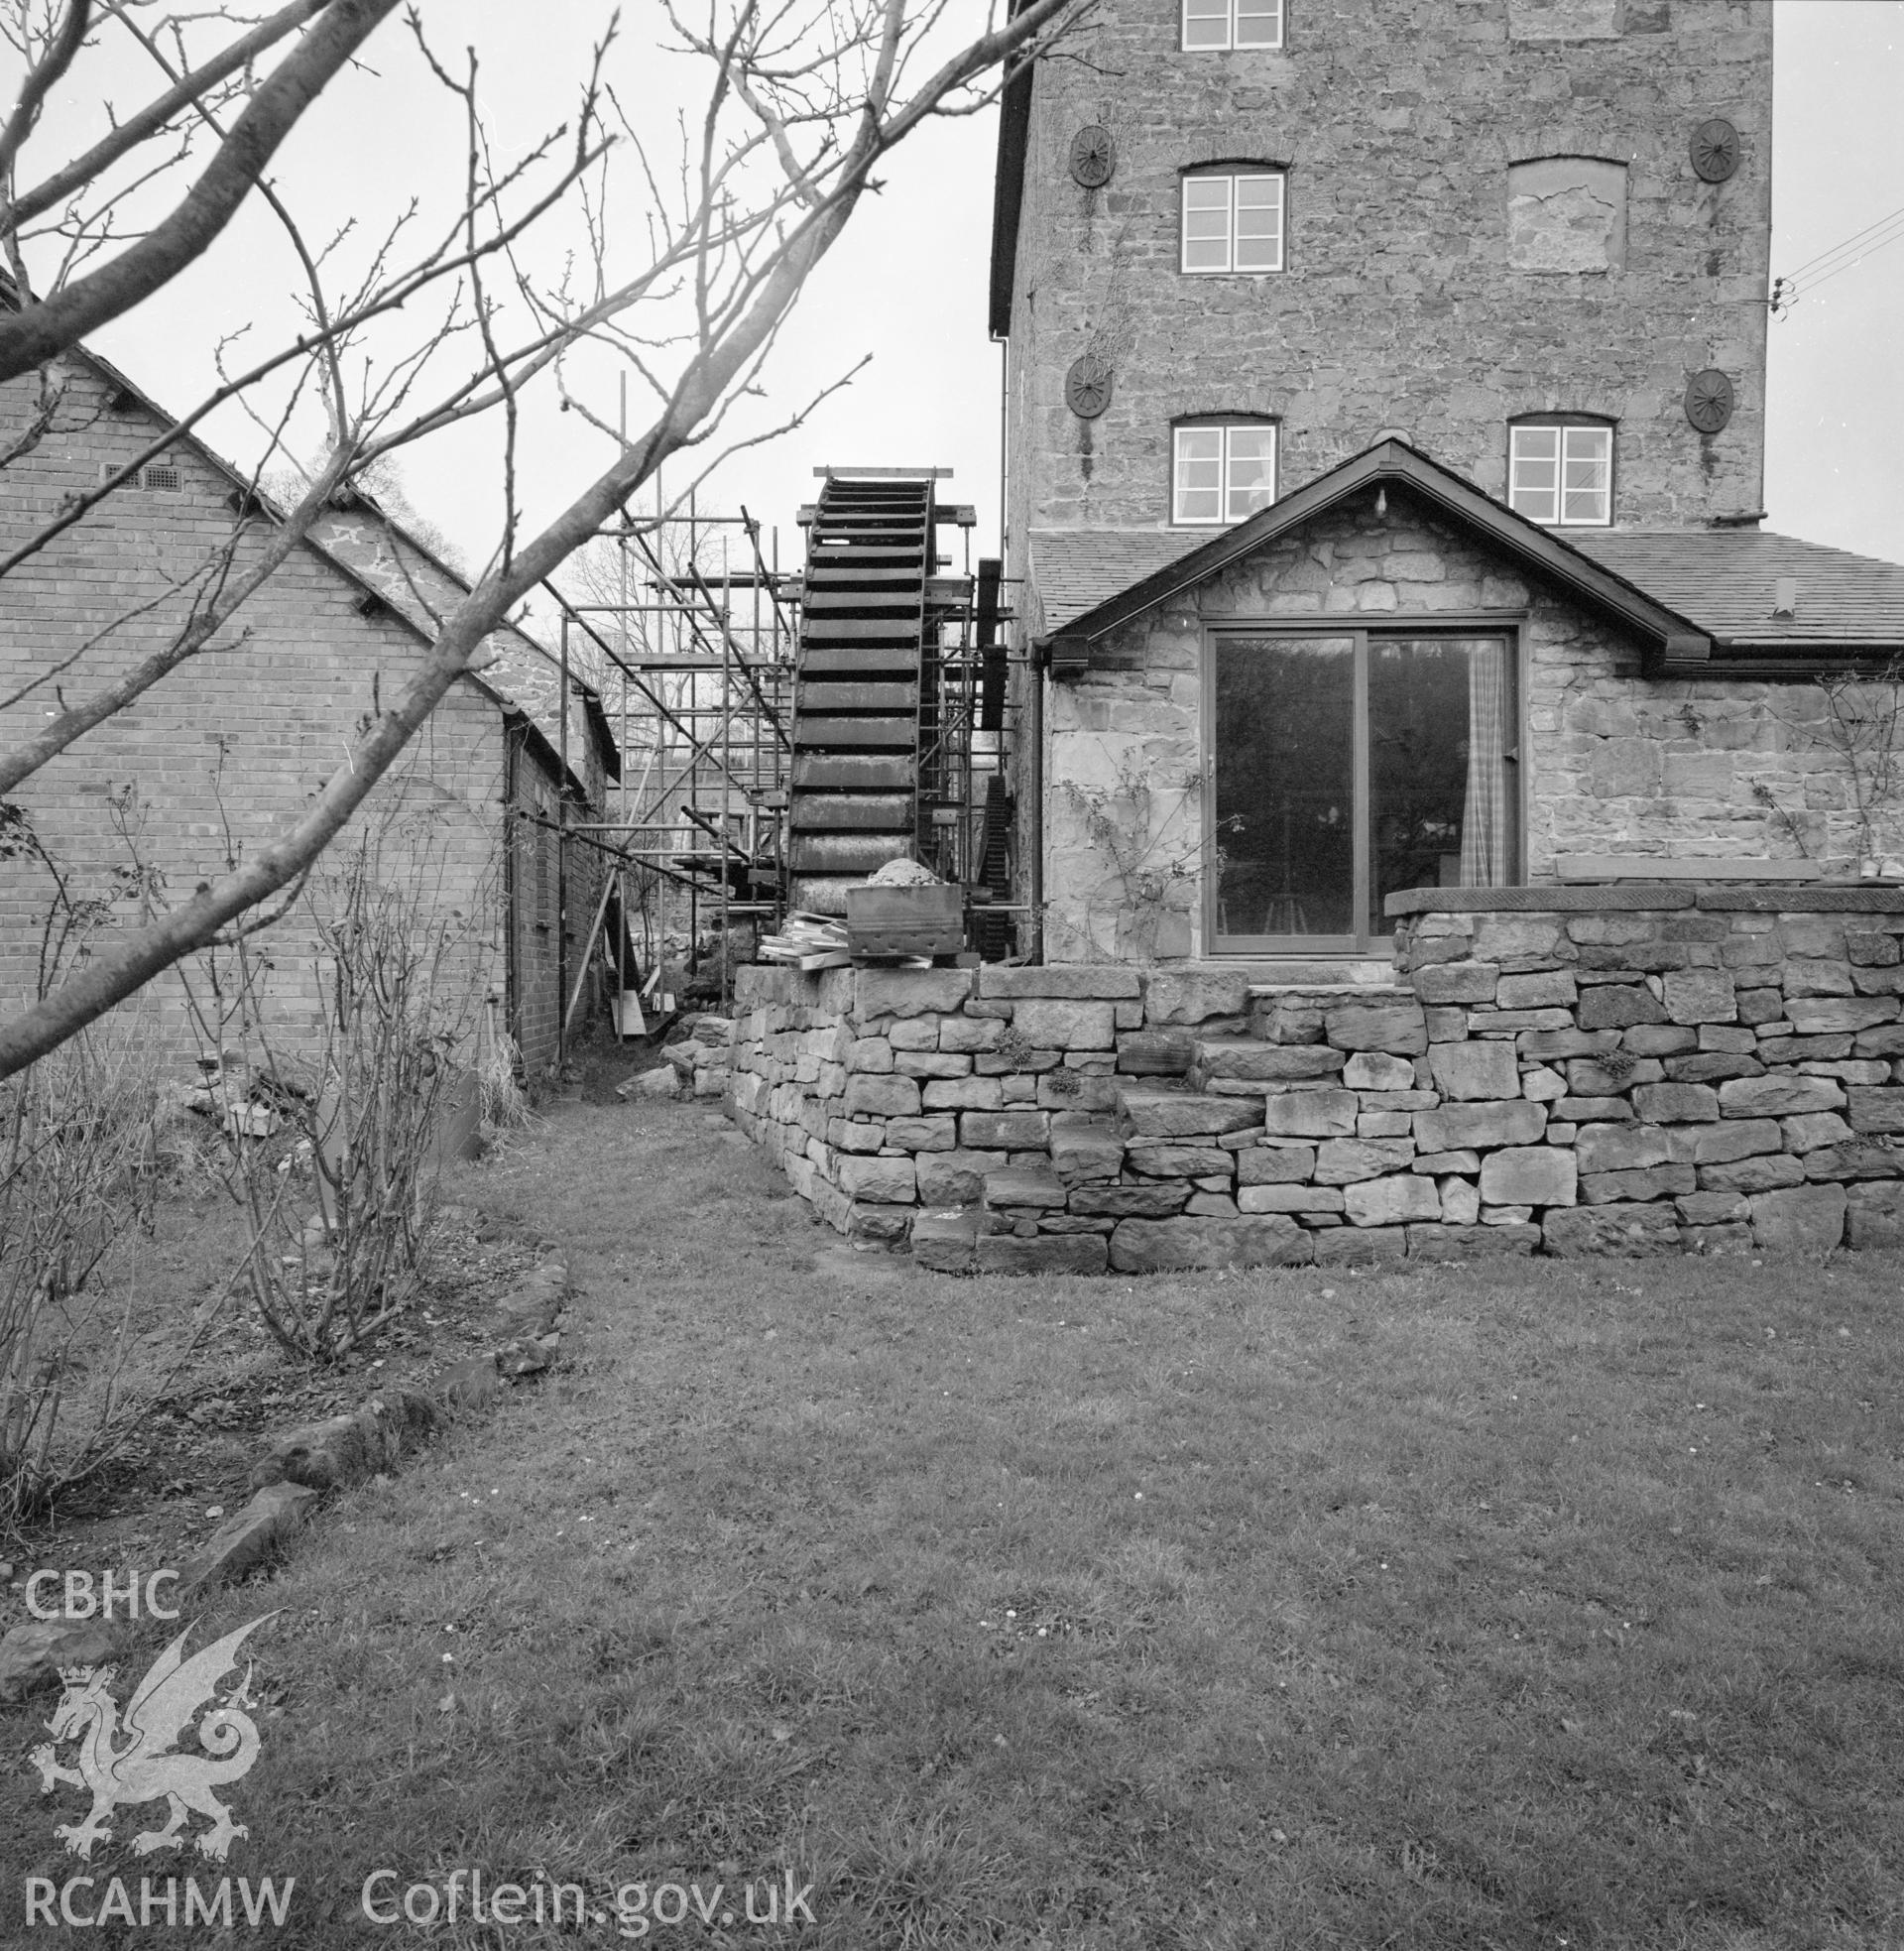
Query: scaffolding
{"type": "Point", "coordinates": [695, 651]}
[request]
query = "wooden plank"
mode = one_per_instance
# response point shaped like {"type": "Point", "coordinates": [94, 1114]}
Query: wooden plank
{"type": "Point", "coordinates": [834, 660]}
{"type": "Point", "coordinates": [828, 733]}
{"type": "Point", "coordinates": [886, 813]}
{"type": "Point", "coordinates": [1577, 867]}
{"type": "Point", "coordinates": [846, 853]}
{"type": "Point", "coordinates": [857, 630]}
{"type": "Point", "coordinates": [821, 697]}
{"type": "Point", "coordinates": [851, 772]}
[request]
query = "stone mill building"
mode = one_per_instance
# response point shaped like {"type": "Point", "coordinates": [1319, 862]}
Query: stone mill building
{"type": "Point", "coordinates": [1439, 838]}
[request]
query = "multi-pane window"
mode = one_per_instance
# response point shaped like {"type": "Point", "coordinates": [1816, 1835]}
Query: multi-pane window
{"type": "Point", "coordinates": [1232, 220]}
{"type": "Point", "coordinates": [1218, 24]}
{"type": "Point", "coordinates": [1222, 470]}
{"type": "Point", "coordinates": [1561, 473]}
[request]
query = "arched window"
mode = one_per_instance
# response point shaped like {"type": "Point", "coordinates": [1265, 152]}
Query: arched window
{"type": "Point", "coordinates": [1560, 471]}
{"type": "Point", "coordinates": [1233, 216]}
{"type": "Point", "coordinates": [1223, 467]}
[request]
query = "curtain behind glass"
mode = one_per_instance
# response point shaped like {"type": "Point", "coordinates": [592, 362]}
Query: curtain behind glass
{"type": "Point", "coordinates": [1484, 825]}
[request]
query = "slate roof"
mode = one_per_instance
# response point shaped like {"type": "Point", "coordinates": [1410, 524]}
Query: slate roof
{"type": "Point", "coordinates": [1726, 582]}
{"type": "Point", "coordinates": [1076, 570]}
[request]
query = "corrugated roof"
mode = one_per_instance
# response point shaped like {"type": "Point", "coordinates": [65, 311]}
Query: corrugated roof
{"type": "Point", "coordinates": [1726, 580]}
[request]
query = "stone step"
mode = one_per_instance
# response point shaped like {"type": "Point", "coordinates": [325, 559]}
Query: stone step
{"type": "Point", "coordinates": [1149, 1110]}
{"type": "Point", "coordinates": [1229, 1067]}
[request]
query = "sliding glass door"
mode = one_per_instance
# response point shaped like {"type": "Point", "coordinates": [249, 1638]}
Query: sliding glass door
{"type": "Point", "coordinates": [1350, 765]}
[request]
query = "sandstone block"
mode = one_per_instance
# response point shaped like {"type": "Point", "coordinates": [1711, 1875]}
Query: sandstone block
{"type": "Point", "coordinates": [1551, 1046]}
{"type": "Point", "coordinates": [1178, 1161]}
{"type": "Point", "coordinates": [1461, 1241]}
{"type": "Point", "coordinates": [882, 1097]}
{"type": "Point", "coordinates": [1760, 1005]}
{"type": "Point", "coordinates": [1400, 1029]}
{"type": "Point", "coordinates": [1206, 1204]}
{"type": "Point", "coordinates": [1150, 1111]}
{"type": "Point", "coordinates": [1460, 1201]}
{"type": "Point", "coordinates": [930, 1134]}
{"type": "Point", "coordinates": [1778, 1096]}
{"type": "Point", "coordinates": [1192, 996]}
{"type": "Point", "coordinates": [1156, 1201]}
{"type": "Point", "coordinates": [351, 1449]}
{"type": "Point", "coordinates": [1870, 951]}
{"type": "Point", "coordinates": [1010, 1130]}
{"type": "Point", "coordinates": [1550, 989]}
{"type": "Point", "coordinates": [1529, 1176]}
{"type": "Point", "coordinates": [1375, 1070]}
{"type": "Point", "coordinates": [1613, 1006]}
{"type": "Point", "coordinates": [1457, 982]}
{"type": "Point", "coordinates": [1817, 979]}
{"type": "Point", "coordinates": [1541, 1085]}
{"type": "Point", "coordinates": [1863, 1157]}
{"type": "Point", "coordinates": [1288, 1199]}
{"type": "Point", "coordinates": [1476, 1071]}
{"type": "Point", "coordinates": [1887, 1041]}
{"type": "Point", "coordinates": [1836, 1013]}
{"type": "Point", "coordinates": [1065, 1025]}
{"type": "Point", "coordinates": [242, 1542]}
{"type": "Point", "coordinates": [1621, 1147]}
{"type": "Point", "coordinates": [1392, 1201]}
{"type": "Point", "coordinates": [1874, 1108]}
{"type": "Point", "coordinates": [919, 1032]}
{"type": "Point", "coordinates": [1460, 1127]}
{"type": "Point", "coordinates": [1446, 1024]}
{"type": "Point", "coordinates": [1592, 1110]}
{"type": "Point", "coordinates": [1744, 1139]}
{"type": "Point", "coordinates": [1271, 1164]}
{"type": "Point", "coordinates": [1249, 1061]}
{"type": "Point", "coordinates": [930, 1063]}
{"type": "Point", "coordinates": [1044, 1253]}
{"type": "Point", "coordinates": [845, 1135]}
{"type": "Point", "coordinates": [1155, 1052]}
{"type": "Point", "coordinates": [35, 1650]}
{"type": "Point", "coordinates": [1087, 982]}
{"type": "Point", "coordinates": [946, 1241]}
{"type": "Point", "coordinates": [1610, 1076]}
{"type": "Point", "coordinates": [1341, 1161]}
{"type": "Point", "coordinates": [1145, 1246]}
{"type": "Point", "coordinates": [1352, 1246]}
{"type": "Point", "coordinates": [1813, 1130]}
{"type": "Point", "coordinates": [1712, 1208]}
{"type": "Point", "coordinates": [1700, 996]}
{"type": "Point", "coordinates": [1311, 1114]}
{"type": "Point", "coordinates": [1507, 1215]}
{"type": "Point", "coordinates": [866, 1220]}
{"type": "Point", "coordinates": [869, 1057]}
{"type": "Point", "coordinates": [1807, 1219]}
{"type": "Point", "coordinates": [1712, 1067]}
{"type": "Point", "coordinates": [1648, 1182]}
{"type": "Point", "coordinates": [1384, 1124]}
{"type": "Point", "coordinates": [1676, 1104]}
{"type": "Point", "coordinates": [1024, 1186]}
{"type": "Point", "coordinates": [1438, 1163]}
{"type": "Point", "coordinates": [1083, 1154]}
{"type": "Point", "coordinates": [908, 992]}
{"type": "Point", "coordinates": [954, 1179]}
{"type": "Point", "coordinates": [879, 1182]}
{"type": "Point", "coordinates": [1771, 1172]}
{"type": "Point", "coordinates": [1874, 1216]}
{"type": "Point", "coordinates": [1627, 1232]}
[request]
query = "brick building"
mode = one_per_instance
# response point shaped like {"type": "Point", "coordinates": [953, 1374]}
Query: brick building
{"type": "Point", "coordinates": [226, 749]}
{"type": "Point", "coordinates": [1384, 447]}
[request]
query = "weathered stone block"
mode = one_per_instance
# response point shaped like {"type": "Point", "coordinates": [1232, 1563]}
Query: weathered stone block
{"type": "Point", "coordinates": [1392, 1201]}
{"type": "Point", "coordinates": [1192, 996]}
{"type": "Point", "coordinates": [1178, 1161]}
{"type": "Point", "coordinates": [1658, 1040]}
{"type": "Point", "coordinates": [1311, 1114]}
{"type": "Point", "coordinates": [869, 1057]}
{"type": "Point", "coordinates": [1458, 1127]}
{"type": "Point", "coordinates": [1438, 1163]}
{"type": "Point", "coordinates": [1615, 1005]}
{"type": "Point", "coordinates": [1837, 1013]}
{"type": "Point", "coordinates": [1744, 1139]}
{"type": "Point", "coordinates": [1024, 1186]}
{"type": "Point", "coordinates": [1611, 1076]}
{"type": "Point", "coordinates": [1341, 1161]}
{"type": "Point", "coordinates": [882, 1097]}
{"type": "Point", "coordinates": [1541, 1085]}
{"type": "Point", "coordinates": [1144, 1246]}
{"type": "Point", "coordinates": [1457, 982]}
{"type": "Point", "coordinates": [1529, 1176]}
{"type": "Point", "coordinates": [919, 1032]}
{"type": "Point", "coordinates": [1713, 1209]}
{"type": "Point", "coordinates": [1885, 1041]}
{"type": "Point", "coordinates": [1044, 1253]}
{"type": "Point", "coordinates": [1467, 1242]}
{"type": "Point", "coordinates": [1807, 1219]}
{"type": "Point", "coordinates": [908, 992]}
{"type": "Point", "coordinates": [1276, 1165]}
{"type": "Point", "coordinates": [1700, 996]}
{"type": "Point", "coordinates": [1767, 1173]}
{"type": "Point", "coordinates": [1400, 1029]}
{"type": "Point", "coordinates": [1154, 1201]}
{"type": "Point", "coordinates": [1361, 1246]}
{"type": "Point", "coordinates": [1648, 1182]}
{"type": "Point", "coordinates": [940, 1134]}
{"type": "Point", "coordinates": [1863, 1157]}
{"type": "Point", "coordinates": [1476, 1071]}
{"type": "Point", "coordinates": [1712, 1067]}
{"type": "Point", "coordinates": [878, 1181]}
{"type": "Point", "coordinates": [1460, 1201]}
{"type": "Point", "coordinates": [1550, 989]}
{"type": "Point", "coordinates": [1375, 1070]}
{"type": "Point", "coordinates": [1446, 1024]}
{"type": "Point", "coordinates": [1676, 1104]}
{"type": "Point", "coordinates": [1874, 1108]}
{"type": "Point", "coordinates": [1760, 1005]}
{"type": "Point", "coordinates": [1778, 1096]}
{"type": "Point", "coordinates": [1081, 983]}
{"type": "Point", "coordinates": [1155, 1052]}
{"type": "Point", "coordinates": [1550, 1045]}
{"type": "Point", "coordinates": [1387, 1124]}
{"type": "Point", "coordinates": [954, 1179]}
{"type": "Point", "coordinates": [1621, 1147]}
{"type": "Point", "coordinates": [1249, 1061]}
{"type": "Point", "coordinates": [1065, 1025]}
{"type": "Point", "coordinates": [1867, 950]}
{"type": "Point", "coordinates": [1010, 1131]}
{"type": "Point", "coordinates": [931, 1063]}
{"type": "Point", "coordinates": [1083, 1154]}
{"type": "Point", "coordinates": [1874, 1216]}
{"type": "Point", "coordinates": [946, 1241]}
{"type": "Point", "coordinates": [1814, 1129]}
{"type": "Point", "coordinates": [1817, 979]}
{"type": "Point", "coordinates": [1626, 1232]}
{"type": "Point", "coordinates": [1288, 1199]}
{"type": "Point", "coordinates": [847, 1135]}
{"type": "Point", "coordinates": [962, 1094]}
{"type": "Point", "coordinates": [1148, 1111]}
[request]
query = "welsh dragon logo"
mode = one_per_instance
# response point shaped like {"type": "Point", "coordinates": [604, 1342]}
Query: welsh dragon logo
{"type": "Point", "coordinates": [150, 1766]}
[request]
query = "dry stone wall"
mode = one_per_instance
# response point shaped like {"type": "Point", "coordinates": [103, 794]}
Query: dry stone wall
{"type": "Point", "coordinates": [1613, 1071]}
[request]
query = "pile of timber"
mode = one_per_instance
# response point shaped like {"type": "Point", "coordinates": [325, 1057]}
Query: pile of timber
{"type": "Point", "coordinates": [807, 942]}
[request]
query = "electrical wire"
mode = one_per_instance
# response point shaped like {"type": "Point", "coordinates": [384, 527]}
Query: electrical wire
{"type": "Point", "coordinates": [1820, 270]}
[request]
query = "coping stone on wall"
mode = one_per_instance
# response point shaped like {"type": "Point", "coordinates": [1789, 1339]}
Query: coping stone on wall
{"type": "Point", "coordinates": [1785, 898]}
{"type": "Point", "coordinates": [1090, 982]}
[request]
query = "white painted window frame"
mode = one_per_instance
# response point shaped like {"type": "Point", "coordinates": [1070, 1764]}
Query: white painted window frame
{"type": "Point", "coordinates": [1234, 182]}
{"type": "Point", "coordinates": [1215, 26]}
{"type": "Point", "coordinates": [1226, 488]}
{"type": "Point", "coordinates": [1573, 444]}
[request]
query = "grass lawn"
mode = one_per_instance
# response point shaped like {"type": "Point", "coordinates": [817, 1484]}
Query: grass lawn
{"type": "Point", "coordinates": [1524, 1605]}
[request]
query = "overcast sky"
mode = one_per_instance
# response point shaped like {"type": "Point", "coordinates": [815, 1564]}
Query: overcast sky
{"type": "Point", "coordinates": [907, 284]}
